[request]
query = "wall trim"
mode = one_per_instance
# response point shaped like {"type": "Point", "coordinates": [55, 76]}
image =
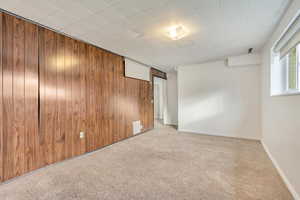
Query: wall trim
{"type": "Point", "coordinates": [218, 135]}
{"type": "Point", "coordinates": [281, 173]}
{"type": "Point", "coordinates": [171, 123]}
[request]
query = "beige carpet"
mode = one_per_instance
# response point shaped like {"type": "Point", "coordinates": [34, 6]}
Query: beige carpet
{"type": "Point", "coordinates": [160, 164]}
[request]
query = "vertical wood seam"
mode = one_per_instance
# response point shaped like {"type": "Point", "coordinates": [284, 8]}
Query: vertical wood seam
{"type": "Point", "coordinates": [39, 83]}
{"type": "Point", "coordinates": [2, 142]}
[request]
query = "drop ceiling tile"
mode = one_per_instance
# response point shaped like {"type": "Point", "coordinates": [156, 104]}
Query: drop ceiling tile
{"type": "Point", "coordinates": [112, 2]}
{"type": "Point", "coordinates": [124, 9]}
{"type": "Point", "coordinates": [136, 28]}
{"type": "Point", "coordinates": [112, 15]}
{"type": "Point", "coordinates": [71, 7]}
{"type": "Point", "coordinates": [74, 30]}
{"type": "Point", "coordinates": [148, 6]}
{"type": "Point", "coordinates": [159, 20]}
{"type": "Point", "coordinates": [93, 5]}
{"type": "Point", "coordinates": [85, 25]}
{"type": "Point", "coordinates": [102, 35]}
{"type": "Point", "coordinates": [58, 20]}
{"type": "Point", "coordinates": [35, 10]}
{"type": "Point", "coordinates": [11, 5]}
{"type": "Point", "coordinates": [185, 43]}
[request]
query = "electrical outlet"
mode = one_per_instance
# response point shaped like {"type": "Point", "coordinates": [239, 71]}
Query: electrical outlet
{"type": "Point", "coordinates": [82, 135]}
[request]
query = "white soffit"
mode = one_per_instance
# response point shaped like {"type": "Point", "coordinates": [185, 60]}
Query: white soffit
{"type": "Point", "coordinates": [134, 28]}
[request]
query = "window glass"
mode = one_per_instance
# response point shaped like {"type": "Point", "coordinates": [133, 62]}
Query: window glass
{"type": "Point", "coordinates": [292, 70]}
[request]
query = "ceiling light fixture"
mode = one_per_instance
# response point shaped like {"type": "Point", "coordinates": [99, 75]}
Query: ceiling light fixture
{"type": "Point", "coordinates": [177, 32]}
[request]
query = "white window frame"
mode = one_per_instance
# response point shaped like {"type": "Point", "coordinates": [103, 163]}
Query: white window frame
{"type": "Point", "coordinates": [287, 57]}
{"type": "Point", "coordinates": [275, 86]}
{"type": "Point", "coordinates": [278, 74]}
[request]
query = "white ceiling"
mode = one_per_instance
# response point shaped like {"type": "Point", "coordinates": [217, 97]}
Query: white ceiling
{"type": "Point", "coordinates": [135, 28]}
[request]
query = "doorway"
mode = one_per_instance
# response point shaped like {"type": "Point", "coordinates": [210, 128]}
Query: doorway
{"type": "Point", "coordinates": [160, 100]}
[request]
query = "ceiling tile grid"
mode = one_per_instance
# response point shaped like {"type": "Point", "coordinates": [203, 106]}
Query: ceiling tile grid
{"type": "Point", "coordinates": [136, 28]}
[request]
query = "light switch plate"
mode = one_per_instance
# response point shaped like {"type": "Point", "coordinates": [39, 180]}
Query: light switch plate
{"type": "Point", "coordinates": [82, 135]}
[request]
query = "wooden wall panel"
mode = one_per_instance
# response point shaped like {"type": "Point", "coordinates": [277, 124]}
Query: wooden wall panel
{"type": "Point", "coordinates": [68, 92]}
{"type": "Point", "coordinates": [100, 94]}
{"type": "Point", "coordinates": [31, 98]}
{"type": "Point", "coordinates": [55, 87]}
{"type": "Point", "coordinates": [83, 66]}
{"type": "Point", "coordinates": [150, 106]}
{"type": "Point", "coordinates": [131, 102]}
{"type": "Point", "coordinates": [20, 96]}
{"type": "Point", "coordinates": [9, 135]}
{"type": "Point", "coordinates": [61, 98]}
{"type": "Point", "coordinates": [108, 99]}
{"type": "Point", "coordinates": [75, 99]}
{"type": "Point", "coordinates": [121, 103]}
{"type": "Point", "coordinates": [115, 121]}
{"type": "Point", "coordinates": [42, 97]}
{"type": "Point", "coordinates": [91, 100]}
{"type": "Point", "coordinates": [1, 110]}
{"type": "Point", "coordinates": [48, 88]}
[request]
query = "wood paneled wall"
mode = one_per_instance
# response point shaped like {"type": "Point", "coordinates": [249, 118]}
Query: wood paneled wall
{"type": "Point", "coordinates": [20, 95]}
{"type": "Point", "coordinates": [1, 107]}
{"type": "Point", "coordinates": [54, 87]}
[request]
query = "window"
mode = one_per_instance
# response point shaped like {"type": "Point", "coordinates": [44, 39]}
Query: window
{"type": "Point", "coordinates": [291, 62]}
{"type": "Point", "coordinates": [285, 69]}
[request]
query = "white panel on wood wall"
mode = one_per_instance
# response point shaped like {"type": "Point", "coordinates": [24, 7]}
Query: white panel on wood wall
{"type": "Point", "coordinates": [136, 70]}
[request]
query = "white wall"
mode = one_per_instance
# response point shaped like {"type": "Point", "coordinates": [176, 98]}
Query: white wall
{"type": "Point", "coordinates": [171, 116]}
{"type": "Point", "coordinates": [281, 117]}
{"type": "Point", "coordinates": [218, 100]}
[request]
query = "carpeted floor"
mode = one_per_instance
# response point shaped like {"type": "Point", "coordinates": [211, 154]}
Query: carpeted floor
{"type": "Point", "coordinates": [160, 164]}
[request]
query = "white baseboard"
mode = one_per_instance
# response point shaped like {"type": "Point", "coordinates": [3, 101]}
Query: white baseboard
{"type": "Point", "coordinates": [215, 134]}
{"type": "Point", "coordinates": [171, 124]}
{"type": "Point", "coordinates": [281, 173]}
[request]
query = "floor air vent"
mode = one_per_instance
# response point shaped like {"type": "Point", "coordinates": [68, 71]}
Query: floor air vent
{"type": "Point", "coordinates": [137, 127]}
